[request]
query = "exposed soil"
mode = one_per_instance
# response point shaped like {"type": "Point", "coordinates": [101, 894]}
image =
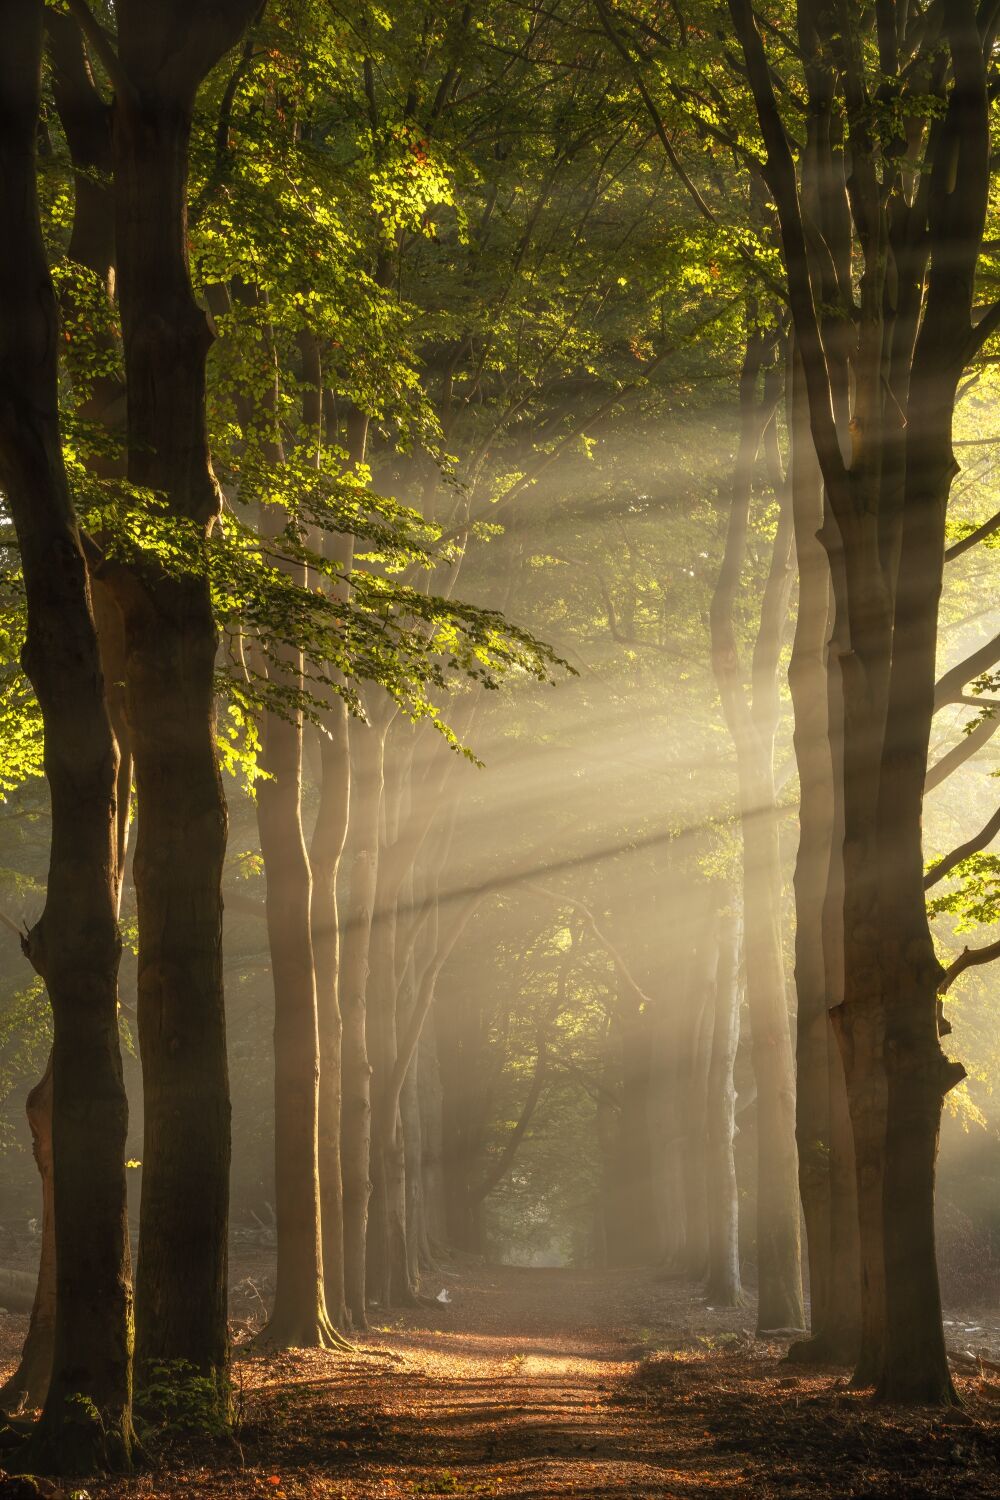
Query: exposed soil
{"type": "Point", "coordinates": [537, 1383]}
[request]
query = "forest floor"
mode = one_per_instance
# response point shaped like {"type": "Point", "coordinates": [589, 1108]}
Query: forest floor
{"type": "Point", "coordinates": [537, 1383]}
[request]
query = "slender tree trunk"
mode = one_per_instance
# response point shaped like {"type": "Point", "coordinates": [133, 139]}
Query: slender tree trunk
{"type": "Point", "coordinates": [635, 1237]}
{"type": "Point", "coordinates": [670, 1102]}
{"type": "Point", "coordinates": [808, 684]}
{"type": "Point", "coordinates": [429, 1090]}
{"type": "Point", "coordinates": [299, 1317]}
{"type": "Point", "coordinates": [753, 726]}
{"type": "Point", "coordinates": [417, 1247]}
{"type": "Point", "coordinates": [75, 945]}
{"type": "Point", "coordinates": [367, 762]}
{"type": "Point", "coordinates": [701, 1000]}
{"type": "Point", "coordinates": [325, 853]}
{"type": "Point", "coordinates": [826, 1151]}
{"type": "Point", "coordinates": [389, 1283]}
{"type": "Point", "coordinates": [724, 1287]}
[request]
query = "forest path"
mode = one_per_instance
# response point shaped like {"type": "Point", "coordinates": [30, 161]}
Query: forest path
{"type": "Point", "coordinates": [512, 1389]}
{"type": "Point", "coordinates": [596, 1384]}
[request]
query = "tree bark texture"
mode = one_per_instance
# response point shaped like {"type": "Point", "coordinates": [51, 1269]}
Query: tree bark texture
{"type": "Point", "coordinates": [164, 53]}
{"type": "Point", "coordinates": [913, 229]}
{"type": "Point", "coordinates": [75, 944]}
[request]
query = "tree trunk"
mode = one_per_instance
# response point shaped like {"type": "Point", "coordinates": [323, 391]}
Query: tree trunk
{"type": "Point", "coordinates": [75, 944]}
{"type": "Point", "coordinates": [367, 762]}
{"type": "Point", "coordinates": [29, 1384]}
{"type": "Point", "coordinates": [181, 1282]}
{"type": "Point", "coordinates": [325, 853]}
{"type": "Point", "coordinates": [915, 1365]}
{"type": "Point", "coordinates": [388, 1275]}
{"type": "Point", "coordinates": [823, 1131]}
{"type": "Point", "coordinates": [431, 1153]}
{"type": "Point", "coordinates": [417, 1246]}
{"type": "Point", "coordinates": [299, 1316]}
{"type": "Point", "coordinates": [723, 1287]}
{"type": "Point", "coordinates": [753, 726]}
{"type": "Point", "coordinates": [701, 1002]}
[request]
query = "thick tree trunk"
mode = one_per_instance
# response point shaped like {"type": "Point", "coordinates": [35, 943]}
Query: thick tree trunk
{"type": "Point", "coordinates": [724, 1287]}
{"type": "Point", "coordinates": [915, 1365]}
{"type": "Point", "coordinates": [181, 1279]}
{"type": "Point", "coordinates": [75, 944]}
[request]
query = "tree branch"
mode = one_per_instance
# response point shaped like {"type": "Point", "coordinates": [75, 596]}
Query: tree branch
{"type": "Point", "coordinates": [979, 535]}
{"type": "Point", "coordinates": [779, 172]}
{"type": "Point", "coordinates": [968, 958]}
{"type": "Point", "coordinates": [978, 841]}
{"type": "Point", "coordinates": [102, 45]}
{"type": "Point", "coordinates": [960, 753]}
{"type": "Point", "coordinates": [949, 687]}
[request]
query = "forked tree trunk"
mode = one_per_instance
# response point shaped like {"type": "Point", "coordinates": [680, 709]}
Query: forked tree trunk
{"type": "Point", "coordinates": [75, 945]}
{"type": "Point", "coordinates": [916, 226]}
{"type": "Point", "coordinates": [181, 1281]}
{"type": "Point", "coordinates": [724, 1287]}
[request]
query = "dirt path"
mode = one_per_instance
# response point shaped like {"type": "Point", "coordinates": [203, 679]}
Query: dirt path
{"type": "Point", "coordinates": [530, 1384]}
